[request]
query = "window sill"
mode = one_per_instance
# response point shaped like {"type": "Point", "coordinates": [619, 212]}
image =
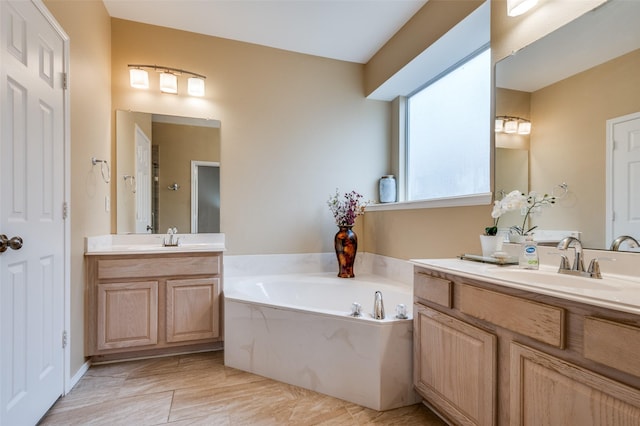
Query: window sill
{"type": "Point", "coordinates": [467, 200]}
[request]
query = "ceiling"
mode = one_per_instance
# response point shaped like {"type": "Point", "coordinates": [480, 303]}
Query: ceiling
{"type": "Point", "coordinates": [347, 30]}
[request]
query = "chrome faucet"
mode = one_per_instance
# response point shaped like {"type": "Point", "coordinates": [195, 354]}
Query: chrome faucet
{"type": "Point", "coordinates": [378, 306]}
{"type": "Point", "coordinates": [615, 245]}
{"type": "Point", "coordinates": [578, 262]}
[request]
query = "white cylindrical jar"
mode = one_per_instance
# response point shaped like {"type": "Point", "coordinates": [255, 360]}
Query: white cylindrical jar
{"type": "Point", "coordinates": [387, 189]}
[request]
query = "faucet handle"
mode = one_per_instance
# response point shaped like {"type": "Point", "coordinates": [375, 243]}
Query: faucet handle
{"type": "Point", "coordinates": [594, 268]}
{"type": "Point", "coordinates": [564, 263]}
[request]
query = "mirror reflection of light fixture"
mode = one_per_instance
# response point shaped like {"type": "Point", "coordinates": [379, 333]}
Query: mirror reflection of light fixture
{"type": "Point", "coordinates": [524, 127]}
{"type": "Point", "coordinates": [168, 82]}
{"type": "Point", "coordinates": [509, 124]}
{"type": "Point", "coordinates": [519, 7]}
{"type": "Point", "coordinates": [139, 79]}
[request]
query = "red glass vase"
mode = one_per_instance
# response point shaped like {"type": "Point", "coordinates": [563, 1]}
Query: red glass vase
{"type": "Point", "coordinates": [346, 245]}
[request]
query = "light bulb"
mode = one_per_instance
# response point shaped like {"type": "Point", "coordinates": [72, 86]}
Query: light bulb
{"type": "Point", "coordinates": [195, 86]}
{"type": "Point", "coordinates": [511, 126]}
{"type": "Point", "coordinates": [168, 83]}
{"type": "Point", "coordinates": [524, 128]}
{"type": "Point", "coordinates": [139, 78]}
{"type": "Point", "coordinates": [518, 7]}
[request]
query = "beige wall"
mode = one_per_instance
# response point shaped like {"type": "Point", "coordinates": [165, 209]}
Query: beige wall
{"type": "Point", "coordinates": [294, 127]}
{"type": "Point", "coordinates": [179, 145]}
{"type": "Point", "coordinates": [568, 141]}
{"type": "Point", "coordinates": [88, 26]}
{"type": "Point", "coordinates": [430, 23]}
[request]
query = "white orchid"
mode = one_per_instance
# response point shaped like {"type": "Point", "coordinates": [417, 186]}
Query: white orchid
{"type": "Point", "coordinates": [515, 200]}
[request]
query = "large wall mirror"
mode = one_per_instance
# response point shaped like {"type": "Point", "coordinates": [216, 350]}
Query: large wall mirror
{"type": "Point", "coordinates": [167, 173]}
{"type": "Point", "coordinates": [580, 87]}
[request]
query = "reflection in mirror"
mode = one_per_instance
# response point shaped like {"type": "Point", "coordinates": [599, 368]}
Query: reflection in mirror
{"type": "Point", "coordinates": [167, 173]}
{"type": "Point", "coordinates": [576, 85]}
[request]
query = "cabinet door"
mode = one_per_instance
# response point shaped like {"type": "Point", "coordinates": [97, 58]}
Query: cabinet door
{"type": "Point", "coordinates": [193, 309]}
{"type": "Point", "coordinates": [127, 314]}
{"type": "Point", "coordinates": [549, 391]}
{"type": "Point", "coordinates": [455, 367]}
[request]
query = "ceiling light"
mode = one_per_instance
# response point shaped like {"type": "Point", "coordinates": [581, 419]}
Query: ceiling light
{"type": "Point", "coordinates": [139, 78]}
{"type": "Point", "coordinates": [168, 83]}
{"type": "Point", "coordinates": [195, 86]}
{"type": "Point", "coordinates": [518, 7]}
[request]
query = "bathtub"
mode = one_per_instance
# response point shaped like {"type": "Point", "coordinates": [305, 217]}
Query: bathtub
{"type": "Point", "coordinates": [298, 329]}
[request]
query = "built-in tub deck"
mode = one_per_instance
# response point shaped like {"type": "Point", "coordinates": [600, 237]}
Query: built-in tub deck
{"type": "Point", "coordinates": [297, 329]}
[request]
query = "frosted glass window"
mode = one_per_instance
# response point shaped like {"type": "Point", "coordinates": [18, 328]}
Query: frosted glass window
{"type": "Point", "coordinates": [448, 133]}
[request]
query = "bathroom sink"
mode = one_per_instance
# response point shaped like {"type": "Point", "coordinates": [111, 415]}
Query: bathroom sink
{"type": "Point", "coordinates": [551, 278]}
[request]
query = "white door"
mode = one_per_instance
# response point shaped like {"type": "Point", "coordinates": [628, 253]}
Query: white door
{"type": "Point", "coordinates": [144, 222]}
{"type": "Point", "coordinates": [32, 160]}
{"type": "Point", "coordinates": [624, 177]}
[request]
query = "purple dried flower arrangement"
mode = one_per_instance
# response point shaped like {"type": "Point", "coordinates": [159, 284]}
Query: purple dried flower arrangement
{"type": "Point", "coordinates": [347, 208]}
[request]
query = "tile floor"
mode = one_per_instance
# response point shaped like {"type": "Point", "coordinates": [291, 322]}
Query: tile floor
{"type": "Point", "coordinates": [197, 389]}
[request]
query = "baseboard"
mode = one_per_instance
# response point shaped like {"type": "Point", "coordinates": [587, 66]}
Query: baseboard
{"type": "Point", "coordinates": [76, 377]}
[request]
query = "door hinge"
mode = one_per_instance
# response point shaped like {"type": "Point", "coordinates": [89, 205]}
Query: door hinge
{"type": "Point", "coordinates": [65, 81]}
{"type": "Point", "coordinates": [65, 210]}
{"type": "Point", "coordinates": [64, 339]}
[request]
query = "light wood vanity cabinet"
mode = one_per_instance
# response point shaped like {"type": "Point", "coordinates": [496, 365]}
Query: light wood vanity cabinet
{"type": "Point", "coordinates": [486, 354]}
{"type": "Point", "coordinates": [146, 304]}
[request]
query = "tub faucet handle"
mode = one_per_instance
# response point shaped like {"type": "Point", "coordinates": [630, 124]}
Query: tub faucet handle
{"type": "Point", "coordinates": [378, 306]}
{"type": "Point", "coordinates": [356, 309]}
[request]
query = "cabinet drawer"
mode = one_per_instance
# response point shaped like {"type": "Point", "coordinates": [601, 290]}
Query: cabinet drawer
{"type": "Point", "coordinates": [613, 344]}
{"type": "Point", "coordinates": [158, 267]}
{"type": "Point", "coordinates": [433, 289]}
{"type": "Point", "coordinates": [533, 319]}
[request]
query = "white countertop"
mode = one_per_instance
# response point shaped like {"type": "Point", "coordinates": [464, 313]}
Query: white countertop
{"type": "Point", "coordinates": [618, 292]}
{"type": "Point", "coordinates": [152, 244]}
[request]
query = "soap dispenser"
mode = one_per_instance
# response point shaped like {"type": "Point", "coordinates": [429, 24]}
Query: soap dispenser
{"type": "Point", "coordinates": [529, 258]}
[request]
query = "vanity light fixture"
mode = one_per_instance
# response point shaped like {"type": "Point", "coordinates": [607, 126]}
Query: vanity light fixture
{"type": "Point", "coordinates": [511, 125]}
{"type": "Point", "coordinates": [195, 86]}
{"type": "Point", "coordinates": [168, 82]}
{"type": "Point", "coordinates": [139, 79]}
{"type": "Point", "coordinates": [519, 7]}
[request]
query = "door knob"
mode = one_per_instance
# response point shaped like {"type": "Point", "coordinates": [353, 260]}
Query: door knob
{"type": "Point", "coordinates": [14, 243]}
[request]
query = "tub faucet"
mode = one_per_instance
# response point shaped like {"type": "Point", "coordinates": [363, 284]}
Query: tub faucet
{"type": "Point", "coordinates": [378, 306]}
{"type": "Point", "coordinates": [615, 245]}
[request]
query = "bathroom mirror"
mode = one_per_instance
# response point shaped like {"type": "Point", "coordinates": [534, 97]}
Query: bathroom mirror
{"type": "Point", "coordinates": [167, 173]}
{"type": "Point", "coordinates": [572, 84]}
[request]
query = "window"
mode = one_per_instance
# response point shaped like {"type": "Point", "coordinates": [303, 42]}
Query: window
{"type": "Point", "coordinates": [448, 133]}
